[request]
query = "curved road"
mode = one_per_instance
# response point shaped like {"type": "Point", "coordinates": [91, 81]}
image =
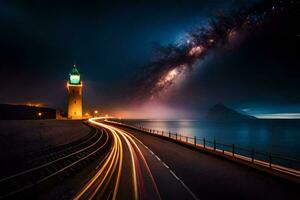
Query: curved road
{"type": "Point", "coordinates": [140, 166]}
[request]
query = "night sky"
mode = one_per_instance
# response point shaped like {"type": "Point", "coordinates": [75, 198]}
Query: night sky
{"type": "Point", "coordinates": [114, 43]}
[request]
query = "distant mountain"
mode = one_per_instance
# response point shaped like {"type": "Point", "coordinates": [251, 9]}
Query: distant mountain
{"type": "Point", "coordinates": [221, 112]}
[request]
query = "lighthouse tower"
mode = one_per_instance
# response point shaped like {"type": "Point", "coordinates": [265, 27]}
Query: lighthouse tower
{"type": "Point", "coordinates": [74, 94]}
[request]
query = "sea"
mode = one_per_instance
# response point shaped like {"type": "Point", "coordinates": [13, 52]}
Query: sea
{"type": "Point", "coordinates": [275, 136]}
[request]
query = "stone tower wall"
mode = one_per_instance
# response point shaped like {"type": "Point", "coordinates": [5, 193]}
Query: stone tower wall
{"type": "Point", "coordinates": [75, 101]}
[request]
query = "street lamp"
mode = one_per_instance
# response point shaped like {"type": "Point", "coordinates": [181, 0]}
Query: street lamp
{"type": "Point", "coordinates": [40, 115]}
{"type": "Point", "coordinates": [95, 113]}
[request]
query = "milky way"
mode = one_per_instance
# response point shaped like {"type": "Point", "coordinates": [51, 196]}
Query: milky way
{"type": "Point", "coordinates": [176, 60]}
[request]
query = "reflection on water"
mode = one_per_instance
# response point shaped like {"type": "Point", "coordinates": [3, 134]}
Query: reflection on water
{"type": "Point", "coordinates": [276, 136]}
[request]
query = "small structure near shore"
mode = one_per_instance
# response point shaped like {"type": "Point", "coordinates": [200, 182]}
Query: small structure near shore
{"type": "Point", "coordinates": [23, 112]}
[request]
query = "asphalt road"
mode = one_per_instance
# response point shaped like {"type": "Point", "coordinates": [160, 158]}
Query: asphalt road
{"type": "Point", "coordinates": [132, 171]}
{"type": "Point", "coordinates": [140, 166]}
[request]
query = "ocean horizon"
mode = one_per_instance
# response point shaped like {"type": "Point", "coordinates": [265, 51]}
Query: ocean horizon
{"type": "Point", "coordinates": [276, 136]}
